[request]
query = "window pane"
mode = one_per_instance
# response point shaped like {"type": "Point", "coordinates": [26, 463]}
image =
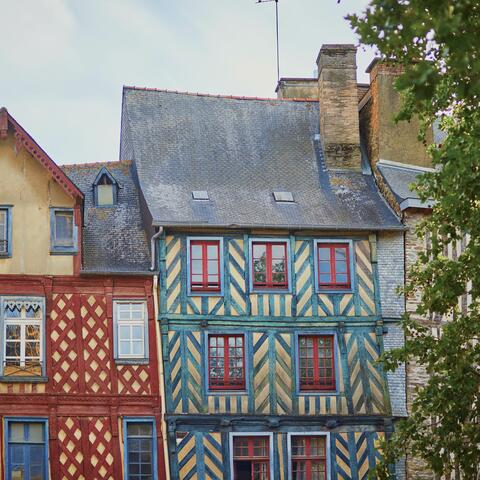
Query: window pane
{"type": "Point", "coordinates": [35, 432]}
{"type": "Point", "coordinates": [137, 332]}
{"type": "Point", "coordinates": [212, 252]}
{"type": "Point", "coordinates": [342, 278]}
{"type": "Point", "coordinates": [278, 251]}
{"type": "Point", "coordinates": [32, 349]}
{"type": "Point", "coordinates": [139, 429]}
{"type": "Point", "coordinates": [197, 267]}
{"type": "Point", "coordinates": [124, 348]}
{"type": "Point", "coordinates": [105, 194]}
{"type": "Point", "coordinates": [196, 251]}
{"type": "Point", "coordinates": [32, 332]}
{"type": "Point", "coordinates": [3, 231]}
{"type": "Point", "coordinates": [278, 266]}
{"type": "Point", "coordinates": [340, 254]}
{"type": "Point", "coordinates": [137, 347]}
{"type": "Point", "coordinates": [124, 332]}
{"type": "Point", "coordinates": [16, 432]}
{"type": "Point", "coordinates": [324, 253]}
{"type": "Point", "coordinates": [13, 332]}
{"type": "Point", "coordinates": [64, 228]}
{"type": "Point", "coordinates": [12, 349]}
{"type": "Point", "coordinates": [325, 278]}
{"type": "Point", "coordinates": [213, 267]}
{"type": "Point", "coordinates": [259, 250]}
{"type": "Point", "coordinates": [340, 266]}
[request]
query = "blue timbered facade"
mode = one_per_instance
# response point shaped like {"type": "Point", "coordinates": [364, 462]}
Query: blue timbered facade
{"type": "Point", "coordinates": [277, 261]}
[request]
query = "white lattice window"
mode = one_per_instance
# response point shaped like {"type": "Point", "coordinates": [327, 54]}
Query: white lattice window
{"type": "Point", "coordinates": [131, 329]}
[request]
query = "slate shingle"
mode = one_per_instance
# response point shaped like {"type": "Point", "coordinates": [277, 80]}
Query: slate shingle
{"type": "Point", "coordinates": [240, 151]}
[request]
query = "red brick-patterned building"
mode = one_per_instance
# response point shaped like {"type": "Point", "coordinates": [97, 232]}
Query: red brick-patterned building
{"type": "Point", "coordinates": [79, 380]}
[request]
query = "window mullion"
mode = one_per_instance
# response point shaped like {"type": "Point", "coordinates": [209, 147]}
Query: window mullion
{"type": "Point", "coordinates": [269, 278]}
{"type": "Point", "coordinates": [204, 265]}
{"type": "Point", "coordinates": [316, 373]}
{"type": "Point", "coordinates": [226, 357]}
{"type": "Point", "coordinates": [22, 344]}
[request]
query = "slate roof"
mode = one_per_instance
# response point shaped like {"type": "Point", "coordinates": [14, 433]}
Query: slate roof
{"type": "Point", "coordinates": [114, 240]}
{"type": "Point", "coordinates": [240, 151]}
{"type": "Point", "coordinates": [399, 177]}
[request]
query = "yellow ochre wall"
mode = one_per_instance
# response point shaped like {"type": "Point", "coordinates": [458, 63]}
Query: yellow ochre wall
{"type": "Point", "coordinates": [27, 186]}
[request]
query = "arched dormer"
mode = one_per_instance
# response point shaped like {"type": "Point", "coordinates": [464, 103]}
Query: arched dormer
{"type": "Point", "coordinates": [105, 189]}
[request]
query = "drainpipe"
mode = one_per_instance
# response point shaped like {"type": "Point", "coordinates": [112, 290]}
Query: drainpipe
{"type": "Point", "coordinates": [161, 373]}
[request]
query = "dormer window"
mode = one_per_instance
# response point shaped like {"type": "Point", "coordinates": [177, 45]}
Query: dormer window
{"type": "Point", "coordinates": [105, 189]}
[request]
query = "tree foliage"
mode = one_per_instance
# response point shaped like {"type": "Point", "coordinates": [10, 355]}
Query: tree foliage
{"type": "Point", "coordinates": [438, 44]}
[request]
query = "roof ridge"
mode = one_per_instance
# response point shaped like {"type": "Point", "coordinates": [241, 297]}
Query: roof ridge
{"type": "Point", "coordinates": [211, 95]}
{"type": "Point", "coordinates": [96, 164]}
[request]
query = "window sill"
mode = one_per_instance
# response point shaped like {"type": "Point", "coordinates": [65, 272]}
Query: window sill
{"type": "Point", "coordinates": [318, 393]}
{"type": "Point", "coordinates": [132, 361]}
{"type": "Point", "coordinates": [20, 379]}
{"type": "Point", "coordinates": [5, 255]}
{"type": "Point", "coordinates": [279, 291]}
{"type": "Point", "coordinates": [226, 392]}
{"type": "Point", "coordinates": [203, 293]}
{"type": "Point", "coordinates": [63, 252]}
{"type": "Point", "coordinates": [334, 290]}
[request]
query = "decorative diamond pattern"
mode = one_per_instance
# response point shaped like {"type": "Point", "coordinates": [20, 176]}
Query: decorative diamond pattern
{"type": "Point", "coordinates": [101, 448]}
{"type": "Point", "coordinates": [64, 357]}
{"type": "Point", "coordinates": [70, 449]}
{"type": "Point", "coordinates": [134, 379]}
{"type": "Point", "coordinates": [96, 344]}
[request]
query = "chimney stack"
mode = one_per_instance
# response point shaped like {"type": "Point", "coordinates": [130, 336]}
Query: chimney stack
{"type": "Point", "coordinates": [337, 91]}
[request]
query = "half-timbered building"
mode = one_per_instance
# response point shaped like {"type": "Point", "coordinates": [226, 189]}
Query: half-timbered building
{"type": "Point", "coordinates": [278, 262]}
{"type": "Point", "coordinates": [79, 383]}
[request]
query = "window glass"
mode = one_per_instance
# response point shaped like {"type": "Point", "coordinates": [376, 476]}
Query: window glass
{"type": "Point", "coordinates": [316, 362]}
{"type": "Point", "coordinates": [140, 451]}
{"type": "Point", "coordinates": [105, 195]}
{"type": "Point", "coordinates": [205, 265]}
{"type": "Point", "coordinates": [269, 265]}
{"type": "Point", "coordinates": [22, 337]}
{"type": "Point", "coordinates": [130, 324]}
{"type": "Point", "coordinates": [251, 458]}
{"type": "Point", "coordinates": [3, 230]}
{"type": "Point", "coordinates": [226, 362]}
{"type": "Point", "coordinates": [333, 266]}
{"type": "Point", "coordinates": [26, 451]}
{"type": "Point", "coordinates": [309, 458]}
{"type": "Point", "coordinates": [63, 228]}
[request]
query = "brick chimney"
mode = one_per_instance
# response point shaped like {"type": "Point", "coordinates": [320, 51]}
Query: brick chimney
{"type": "Point", "coordinates": [386, 139]}
{"type": "Point", "coordinates": [338, 97]}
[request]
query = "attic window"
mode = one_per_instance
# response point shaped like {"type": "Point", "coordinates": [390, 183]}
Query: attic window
{"type": "Point", "coordinates": [105, 189]}
{"type": "Point", "coordinates": [283, 197]}
{"type": "Point", "coordinates": [200, 195]}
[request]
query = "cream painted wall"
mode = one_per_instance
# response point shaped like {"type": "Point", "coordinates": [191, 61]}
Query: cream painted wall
{"type": "Point", "coordinates": [26, 185]}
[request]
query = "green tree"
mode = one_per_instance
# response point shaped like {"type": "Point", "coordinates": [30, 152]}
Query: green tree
{"type": "Point", "coordinates": [438, 44]}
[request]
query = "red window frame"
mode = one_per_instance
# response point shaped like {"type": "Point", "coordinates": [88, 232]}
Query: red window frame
{"type": "Point", "coordinates": [302, 465]}
{"type": "Point", "coordinates": [319, 380]}
{"type": "Point", "coordinates": [269, 283]}
{"type": "Point", "coordinates": [334, 284]}
{"type": "Point", "coordinates": [205, 285]}
{"type": "Point", "coordinates": [249, 449]}
{"type": "Point", "coordinates": [228, 383]}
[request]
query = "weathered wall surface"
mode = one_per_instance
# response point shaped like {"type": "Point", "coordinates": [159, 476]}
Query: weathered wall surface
{"type": "Point", "coordinates": [29, 189]}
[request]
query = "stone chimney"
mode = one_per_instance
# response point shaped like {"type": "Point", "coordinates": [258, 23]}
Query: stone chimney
{"type": "Point", "coordinates": [386, 139]}
{"type": "Point", "coordinates": [297, 88]}
{"type": "Point", "coordinates": [338, 97]}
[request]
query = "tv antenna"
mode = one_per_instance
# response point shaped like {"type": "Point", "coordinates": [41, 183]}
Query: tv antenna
{"type": "Point", "coordinates": [276, 24]}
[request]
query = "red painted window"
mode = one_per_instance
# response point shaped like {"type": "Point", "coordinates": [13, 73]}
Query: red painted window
{"type": "Point", "coordinates": [226, 360]}
{"type": "Point", "coordinates": [205, 265]}
{"type": "Point", "coordinates": [270, 268]}
{"type": "Point", "coordinates": [251, 458]}
{"type": "Point", "coordinates": [317, 362]}
{"type": "Point", "coordinates": [309, 458]}
{"type": "Point", "coordinates": [333, 266]}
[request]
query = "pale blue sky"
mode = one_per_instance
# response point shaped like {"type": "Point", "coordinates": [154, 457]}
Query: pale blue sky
{"type": "Point", "coordinates": [63, 63]}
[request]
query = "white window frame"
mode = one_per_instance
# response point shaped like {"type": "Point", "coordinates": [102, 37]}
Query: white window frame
{"type": "Point", "coordinates": [309, 434]}
{"type": "Point", "coordinates": [253, 434]}
{"type": "Point", "coordinates": [22, 321]}
{"type": "Point", "coordinates": [131, 323]}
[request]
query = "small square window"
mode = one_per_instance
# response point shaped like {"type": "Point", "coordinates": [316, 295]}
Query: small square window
{"type": "Point", "coordinates": [316, 363]}
{"type": "Point", "coordinates": [226, 362]}
{"type": "Point", "coordinates": [333, 266]}
{"type": "Point", "coordinates": [131, 330]}
{"type": "Point", "coordinates": [5, 232]}
{"type": "Point", "coordinates": [63, 231]}
{"type": "Point", "coordinates": [270, 265]}
{"type": "Point", "coordinates": [205, 263]}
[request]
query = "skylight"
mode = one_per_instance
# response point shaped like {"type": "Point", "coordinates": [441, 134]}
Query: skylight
{"type": "Point", "coordinates": [200, 195]}
{"type": "Point", "coordinates": [283, 197]}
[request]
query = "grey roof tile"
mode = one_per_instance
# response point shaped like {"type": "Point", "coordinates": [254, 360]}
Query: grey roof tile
{"type": "Point", "coordinates": [114, 240]}
{"type": "Point", "coordinates": [241, 151]}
